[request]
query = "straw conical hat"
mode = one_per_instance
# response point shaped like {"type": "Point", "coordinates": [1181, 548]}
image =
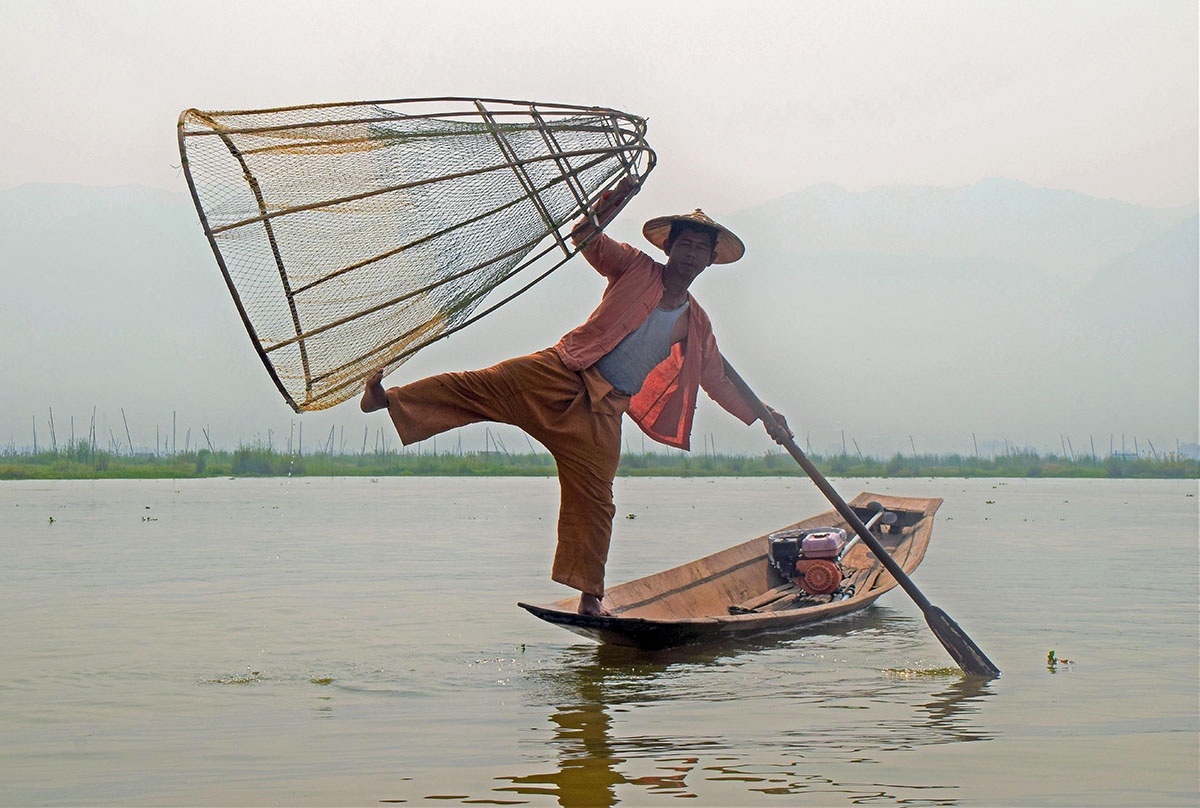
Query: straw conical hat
{"type": "Point", "coordinates": [729, 246]}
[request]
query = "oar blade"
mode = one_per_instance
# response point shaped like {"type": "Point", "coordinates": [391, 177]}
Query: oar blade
{"type": "Point", "coordinates": [965, 652]}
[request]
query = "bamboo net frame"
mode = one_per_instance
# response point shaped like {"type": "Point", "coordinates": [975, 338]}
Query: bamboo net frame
{"type": "Point", "coordinates": [351, 235]}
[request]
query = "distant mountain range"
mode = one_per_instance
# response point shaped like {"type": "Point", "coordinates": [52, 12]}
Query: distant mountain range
{"type": "Point", "coordinates": [1062, 232]}
{"type": "Point", "coordinates": [999, 308]}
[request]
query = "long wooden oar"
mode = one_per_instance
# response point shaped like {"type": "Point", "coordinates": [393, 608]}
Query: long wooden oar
{"type": "Point", "coordinates": [964, 651]}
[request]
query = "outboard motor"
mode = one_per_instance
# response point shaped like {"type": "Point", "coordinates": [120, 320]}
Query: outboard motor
{"type": "Point", "coordinates": [809, 557]}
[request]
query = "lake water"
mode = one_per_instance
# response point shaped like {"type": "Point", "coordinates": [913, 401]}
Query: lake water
{"type": "Point", "coordinates": [356, 642]}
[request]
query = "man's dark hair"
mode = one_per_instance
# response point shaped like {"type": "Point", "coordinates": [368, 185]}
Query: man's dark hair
{"type": "Point", "coordinates": [678, 227]}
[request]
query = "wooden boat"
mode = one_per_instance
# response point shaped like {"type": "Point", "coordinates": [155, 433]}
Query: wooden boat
{"type": "Point", "coordinates": [737, 593]}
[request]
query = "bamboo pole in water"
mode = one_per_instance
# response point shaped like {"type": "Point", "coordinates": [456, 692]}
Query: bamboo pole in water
{"type": "Point", "coordinates": [127, 435]}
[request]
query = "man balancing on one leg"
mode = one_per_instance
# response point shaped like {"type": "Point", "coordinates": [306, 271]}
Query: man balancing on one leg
{"type": "Point", "coordinates": [645, 350]}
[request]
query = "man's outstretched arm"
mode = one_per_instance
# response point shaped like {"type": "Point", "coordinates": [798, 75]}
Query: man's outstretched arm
{"type": "Point", "coordinates": [723, 391]}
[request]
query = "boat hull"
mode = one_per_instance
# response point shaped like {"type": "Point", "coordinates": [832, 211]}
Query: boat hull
{"type": "Point", "coordinates": [736, 594]}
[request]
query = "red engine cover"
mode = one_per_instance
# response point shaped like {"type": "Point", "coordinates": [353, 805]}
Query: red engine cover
{"type": "Point", "coordinates": [818, 576]}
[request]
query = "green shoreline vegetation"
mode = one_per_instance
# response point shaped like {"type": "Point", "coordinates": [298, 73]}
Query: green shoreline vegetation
{"type": "Point", "coordinates": [82, 461]}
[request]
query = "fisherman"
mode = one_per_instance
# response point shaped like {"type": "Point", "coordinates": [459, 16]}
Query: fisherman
{"type": "Point", "coordinates": [643, 351]}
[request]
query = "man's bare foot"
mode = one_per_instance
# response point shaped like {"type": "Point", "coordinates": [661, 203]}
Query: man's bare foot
{"type": "Point", "coordinates": [590, 604]}
{"type": "Point", "coordinates": [374, 397]}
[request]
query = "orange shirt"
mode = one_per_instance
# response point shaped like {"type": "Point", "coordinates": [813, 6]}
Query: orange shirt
{"type": "Point", "coordinates": [666, 404]}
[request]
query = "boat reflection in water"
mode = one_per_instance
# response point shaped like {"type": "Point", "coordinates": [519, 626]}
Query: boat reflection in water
{"type": "Point", "coordinates": [695, 722]}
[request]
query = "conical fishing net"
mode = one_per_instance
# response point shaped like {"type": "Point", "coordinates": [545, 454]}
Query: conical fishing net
{"type": "Point", "coordinates": [352, 235]}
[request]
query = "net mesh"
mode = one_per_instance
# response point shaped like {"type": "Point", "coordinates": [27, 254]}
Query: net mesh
{"type": "Point", "coordinates": [352, 235]}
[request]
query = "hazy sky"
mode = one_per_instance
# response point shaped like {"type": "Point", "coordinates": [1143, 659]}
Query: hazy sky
{"type": "Point", "coordinates": [746, 101]}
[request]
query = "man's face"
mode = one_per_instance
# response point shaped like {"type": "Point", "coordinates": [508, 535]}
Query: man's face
{"type": "Point", "coordinates": [691, 252]}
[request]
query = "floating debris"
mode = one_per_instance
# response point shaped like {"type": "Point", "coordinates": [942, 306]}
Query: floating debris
{"type": "Point", "coordinates": [1053, 662]}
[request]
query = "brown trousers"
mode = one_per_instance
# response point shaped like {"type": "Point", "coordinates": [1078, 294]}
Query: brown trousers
{"type": "Point", "coordinates": [577, 416]}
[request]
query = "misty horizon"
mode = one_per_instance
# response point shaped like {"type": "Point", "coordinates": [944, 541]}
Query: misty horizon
{"type": "Point", "coordinates": [239, 405]}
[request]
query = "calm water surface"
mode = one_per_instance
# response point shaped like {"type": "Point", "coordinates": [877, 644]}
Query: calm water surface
{"type": "Point", "coordinates": [351, 641]}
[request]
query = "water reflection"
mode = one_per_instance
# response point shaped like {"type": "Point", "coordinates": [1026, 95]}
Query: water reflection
{"type": "Point", "coordinates": [588, 769]}
{"type": "Point", "coordinates": [596, 696]}
{"type": "Point", "coordinates": [953, 709]}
